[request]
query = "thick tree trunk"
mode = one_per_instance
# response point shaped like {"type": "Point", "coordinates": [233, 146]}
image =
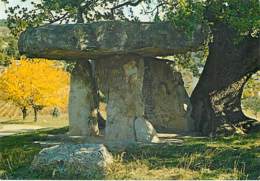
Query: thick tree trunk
{"type": "Point", "coordinates": [216, 100]}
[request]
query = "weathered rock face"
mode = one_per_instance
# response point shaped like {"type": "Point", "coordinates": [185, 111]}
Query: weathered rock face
{"type": "Point", "coordinates": [81, 103]}
{"type": "Point", "coordinates": [167, 104]}
{"type": "Point", "coordinates": [82, 41]}
{"type": "Point", "coordinates": [145, 132]}
{"type": "Point", "coordinates": [84, 159]}
{"type": "Point", "coordinates": [135, 87]}
{"type": "Point", "coordinates": [121, 80]}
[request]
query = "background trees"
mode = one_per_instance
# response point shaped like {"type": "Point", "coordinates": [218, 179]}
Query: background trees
{"type": "Point", "coordinates": [68, 11]}
{"type": "Point", "coordinates": [36, 84]}
{"type": "Point", "coordinates": [251, 94]}
{"type": "Point", "coordinates": [8, 45]}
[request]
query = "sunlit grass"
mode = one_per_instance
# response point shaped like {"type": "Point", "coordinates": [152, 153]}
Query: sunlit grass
{"type": "Point", "coordinates": [235, 157]}
{"type": "Point", "coordinates": [43, 121]}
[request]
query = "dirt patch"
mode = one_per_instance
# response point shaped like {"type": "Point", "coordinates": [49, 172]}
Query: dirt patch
{"type": "Point", "coordinates": [10, 129]}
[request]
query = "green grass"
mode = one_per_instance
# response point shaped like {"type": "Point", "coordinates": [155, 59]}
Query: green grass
{"type": "Point", "coordinates": [235, 157]}
{"type": "Point", "coordinates": [17, 152]}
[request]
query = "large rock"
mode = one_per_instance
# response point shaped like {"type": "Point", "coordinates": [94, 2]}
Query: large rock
{"type": "Point", "coordinates": [135, 85]}
{"type": "Point", "coordinates": [81, 102]}
{"type": "Point", "coordinates": [167, 104]}
{"type": "Point", "coordinates": [92, 40]}
{"type": "Point", "coordinates": [84, 159]}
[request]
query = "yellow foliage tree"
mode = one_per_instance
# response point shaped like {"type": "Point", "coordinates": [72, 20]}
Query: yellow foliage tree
{"type": "Point", "coordinates": [35, 83]}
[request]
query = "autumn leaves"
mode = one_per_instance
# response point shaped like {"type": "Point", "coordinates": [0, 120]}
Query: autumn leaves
{"type": "Point", "coordinates": [36, 83]}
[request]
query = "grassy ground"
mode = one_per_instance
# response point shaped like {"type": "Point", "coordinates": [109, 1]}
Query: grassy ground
{"type": "Point", "coordinates": [46, 121]}
{"type": "Point", "coordinates": [235, 157]}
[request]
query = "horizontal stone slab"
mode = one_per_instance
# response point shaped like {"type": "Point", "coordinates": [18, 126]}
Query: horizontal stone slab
{"type": "Point", "coordinates": [92, 40]}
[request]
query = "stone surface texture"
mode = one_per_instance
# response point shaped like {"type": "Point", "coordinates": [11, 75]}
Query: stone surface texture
{"type": "Point", "coordinates": [92, 40]}
{"type": "Point", "coordinates": [85, 159]}
{"type": "Point", "coordinates": [136, 86]}
{"type": "Point", "coordinates": [145, 132]}
{"type": "Point", "coordinates": [81, 103]}
{"type": "Point", "coordinates": [121, 81]}
{"type": "Point", "coordinates": [167, 104]}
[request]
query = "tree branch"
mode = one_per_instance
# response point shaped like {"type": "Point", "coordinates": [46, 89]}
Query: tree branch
{"type": "Point", "coordinates": [159, 5]}
{"type": "Point", "coordinates": [58, 18]}
{"type": "Point", "coordinates": [127, 3]}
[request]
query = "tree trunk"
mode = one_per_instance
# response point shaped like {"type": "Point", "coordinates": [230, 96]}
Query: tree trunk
{"type": "Point", "coordinates": [80, 18]}
{"type": "Point", "coordinates": [216, 99]}
{"type": "Point", "coordinates": [35, 110]}
{"type": "Point", "coordinates": [24, 111]}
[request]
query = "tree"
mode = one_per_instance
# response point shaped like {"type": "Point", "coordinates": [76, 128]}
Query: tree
{"type": "Point", "coordinates": [67, 11]}
{"type": "Point", "coordinates": [8, 46]}
{"type": "Point", "coordinates": [38, 83]}
{"type": "Point", "coordinates": [233, 58]}
{"type": "Point", "coordinates": [233, 50]}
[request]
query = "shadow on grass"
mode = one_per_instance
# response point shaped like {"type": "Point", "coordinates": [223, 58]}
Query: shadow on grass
{"type": "Point", "coordinates": [230, 154]}
{"type": "Point", "coordinates": [236, 154]}
{"type": "Point", "coordinates": [17, 152]}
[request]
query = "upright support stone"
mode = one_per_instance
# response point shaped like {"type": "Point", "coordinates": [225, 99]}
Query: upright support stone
{"type": "Point", "coordinates": [81, 101]}
{"type": "Point", "coordinates": [167, 104]}
{"type": "Point", "coordinates": [121, 80]}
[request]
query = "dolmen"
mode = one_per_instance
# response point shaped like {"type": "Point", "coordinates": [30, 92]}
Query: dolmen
{"type": "Point", "coordinates": [119, 60]}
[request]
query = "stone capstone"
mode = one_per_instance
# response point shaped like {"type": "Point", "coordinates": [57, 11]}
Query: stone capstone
{"type": "Point", "coordinates": [99, 39]}
{"type": "Point", "coordinates": [86, 159]}
{"type": "Point", "coordinates": [145, 132]}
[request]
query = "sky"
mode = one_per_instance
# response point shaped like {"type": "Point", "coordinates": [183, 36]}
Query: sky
{"type": "Point", "coordinates": [3, 6]}
{"type": "Point", "coordinates": [27, 4]}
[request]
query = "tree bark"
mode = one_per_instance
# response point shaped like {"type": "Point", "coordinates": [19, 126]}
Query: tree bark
{"type": "Point", "coordinates": [216, 99]}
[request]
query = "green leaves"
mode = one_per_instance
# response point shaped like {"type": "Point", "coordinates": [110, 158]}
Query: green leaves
{"type": "Point", "coordinates": [8, 47]}
{"type": "Point", "coordinates": [187, 15]}
{"type": "Point", "coordinates": [242, 15]}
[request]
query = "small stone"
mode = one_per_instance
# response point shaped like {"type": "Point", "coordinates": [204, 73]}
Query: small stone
{"type": "Point", "coordinates": [145, 132]}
